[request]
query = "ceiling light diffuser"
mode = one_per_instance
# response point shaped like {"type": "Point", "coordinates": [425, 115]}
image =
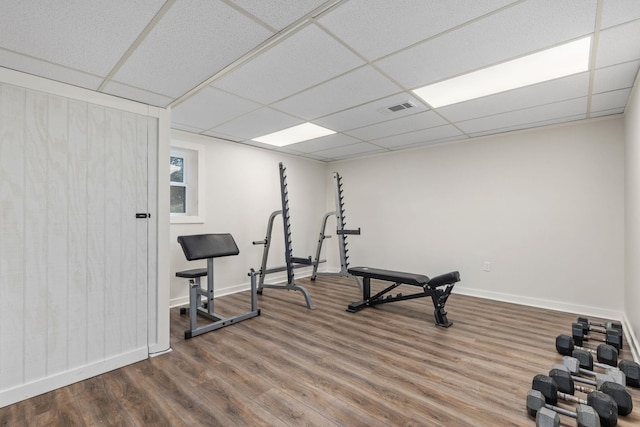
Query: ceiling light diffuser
{"type": "Point", "coordinates": [560, 61]}
{"type": "Point", "coordinates": [299, 133]}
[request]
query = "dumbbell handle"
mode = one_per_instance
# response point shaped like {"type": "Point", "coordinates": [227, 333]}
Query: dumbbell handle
{"type": "Point", "coordinates": [561, 411]}
{"type": "Point", "coordinates": [611, 375]}
{"type": "Point", "coordinates": [571, 398]}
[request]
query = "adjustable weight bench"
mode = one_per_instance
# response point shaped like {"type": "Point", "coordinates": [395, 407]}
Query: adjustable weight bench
{"type": "Point", "coordinates": [438, 288]}
{"type": "Point", "coordinates": [209, 246]}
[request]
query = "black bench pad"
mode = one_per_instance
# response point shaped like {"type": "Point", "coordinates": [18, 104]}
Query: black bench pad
{"type": "Point", "coordinates": [202, 246]}
{"type": "Point", "coordinates": [192, 274]}
{"type": "Point", "coordinates": [444, 279]}
{"type": "Point", "coordinates": [406, 278]}
{"type": "Point", "coordinates": [390, 276]}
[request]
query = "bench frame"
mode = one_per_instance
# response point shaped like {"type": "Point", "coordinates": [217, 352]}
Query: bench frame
{"type": "Point", "coordinates": [438, 288]}
{"type": "Point", "coordinates": [219, 245]}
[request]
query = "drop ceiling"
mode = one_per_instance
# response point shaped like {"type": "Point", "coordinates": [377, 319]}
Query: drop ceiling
{"type": "Point", "coordinates": [239, 69]}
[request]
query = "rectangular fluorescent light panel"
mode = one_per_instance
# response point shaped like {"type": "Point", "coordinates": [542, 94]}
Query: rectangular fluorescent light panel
{"type": "Point", "coordinates": [560, 61]}
{"type": "Point", "coordinates": [303, 132]}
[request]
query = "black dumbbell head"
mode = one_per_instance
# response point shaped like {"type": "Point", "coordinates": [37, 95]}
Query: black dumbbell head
{"type": "Point", "coordinates": [585, 358]}
{"type": "Point", "coordinates": [564, 345]}
{"type": "Point", "coordinates": [545, 385]}
{"type": "Point", "coordinates": [577, 333]}
{"type": "Point", "coordinates": [563, 380]}
{"type": "Point", "coordinates": [614, 338]}
{"type": "Point", "coordinates": [632, 371]}
{"type": "Point", "coordinates": [605, 406]}
{"type": "Point", "coordinates": [620, 395]}
{"type": "Point", "coordinates": [607, 354]}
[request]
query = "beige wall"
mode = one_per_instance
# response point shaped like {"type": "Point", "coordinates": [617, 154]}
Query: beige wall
{"type": "Point", "coordinates": [632, 217]}
{"type": "Point", "coordinates": [545, 207]}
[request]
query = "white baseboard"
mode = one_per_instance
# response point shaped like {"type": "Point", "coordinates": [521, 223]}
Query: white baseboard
{"type": "Point", "coordinates": [583, 310]}
{"type": "Point", "coordinates": [281, 277]}
{"type": "Point", "coordinates": [631, 341]}
{"type": "Point", "coordinates": [53, 382]}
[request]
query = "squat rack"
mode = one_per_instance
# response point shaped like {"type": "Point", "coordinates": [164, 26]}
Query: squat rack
{"type": "Point", "coordinates": [341, 231]}
{"type": "Point", "coordinates": [290, 261]}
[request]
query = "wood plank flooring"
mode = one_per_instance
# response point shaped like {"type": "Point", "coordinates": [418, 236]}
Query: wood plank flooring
{"type": "Point", "coordinates": [291, 366]}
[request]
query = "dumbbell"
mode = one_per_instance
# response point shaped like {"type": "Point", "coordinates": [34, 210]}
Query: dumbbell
{"type": "Point", "coordinates": [612, 336]}
{"type": "Point", "coordinates": [628, 368]}
{"type": "Point", "coordinates": [614, 374]}
{"type": "Point", "coordinates": [605, 353]}
{"type": "Point", "coordinates": [566, 384]}
{"type": "Point", "coordinates": [632, 371]}
{"type": "Point", "coordinates": [604, 405]}
{"type": "Point", "coordinates": [547, 415]}
{"type": "Point", "coordinates": [600, 328]}
{"type": "Point", "coordinates": [586, 358]}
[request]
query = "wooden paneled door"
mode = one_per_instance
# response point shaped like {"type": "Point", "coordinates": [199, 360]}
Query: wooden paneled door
{"type": "Point", "coordinates": [74, 259]}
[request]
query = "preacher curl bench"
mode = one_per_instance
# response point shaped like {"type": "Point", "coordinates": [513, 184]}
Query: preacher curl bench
{"type": "Point", "coordinates": [430, 288]}
{"type": "Point", "coordinates": [209, 246]}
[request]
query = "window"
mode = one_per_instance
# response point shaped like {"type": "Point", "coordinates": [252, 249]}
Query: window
{"type": "Point", "coordinates": [178, 185]}
{"type": "Point", "coordinates": [186, 170]}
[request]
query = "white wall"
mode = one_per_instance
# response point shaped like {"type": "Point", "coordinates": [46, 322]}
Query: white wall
{"type": "Point", "coordinates": [545, 207]}
{"type": "Point", "coordinates": [632, 217]}
{"type": "Point", "coordinates": [242, 188]}
{"type": "Point", "coordinates": [79, 289]}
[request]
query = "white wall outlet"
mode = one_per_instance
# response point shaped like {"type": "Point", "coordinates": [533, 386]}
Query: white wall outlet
{"type": "Point", "coordinates": [486, 266]}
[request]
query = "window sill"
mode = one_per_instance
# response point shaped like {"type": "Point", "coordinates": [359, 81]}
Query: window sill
{"type": "Point", "coordinates": [186, 219]}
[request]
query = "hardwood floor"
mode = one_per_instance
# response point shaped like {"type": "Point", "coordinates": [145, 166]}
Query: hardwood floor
{"type": "Point", "coordinates": [291, 366]}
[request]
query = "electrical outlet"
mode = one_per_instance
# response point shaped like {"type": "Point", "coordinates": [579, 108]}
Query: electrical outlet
{"type": "Point", "coordinates": [486, 266]}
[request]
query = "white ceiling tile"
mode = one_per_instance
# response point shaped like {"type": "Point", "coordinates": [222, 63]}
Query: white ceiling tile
{"type": "Point", "coordinates": [619, 44]}
{"type": "Point", "coordinates": [607, 112]}
{"type": "Point", "coordinates": [86, 36]}
{"type": "Point", "coordinates": [222, 136]}
{"type": "Point", "coordinates": [303, 60]}
{"type": "Point", "coordinates": [544, 93]}
{"type": "Point", "coordinates": [432, 142]}
{"type": "Point", "coordinates": [210, 107]}
{"type": "Point", "coordinates": [419, 137]}
{"type": "Point", "coordinates": [378, 27]}
{"type": "Point", "coordinates": [257, 123]}
{"type": "Point", "coordinates": [316, 157]}
{"type": "Point", "coordinates": [370, 113]}
{"type": "Point", "coordinates": [610, 100]}
{"type": "Point", "coordinates": [326, 142]}
{"type": "Point", "coordinates": [51, 71]}
{"type": "Point", "coordinates": [185, 128]}
{"type": "Point", "coordinates": [193, 41]}
{"type": "Point", "coordinates": [424, 120]}
{"type": "Point", "coordinates": [358, 149]}
{"type": "Point", "coordinates": [124, 91]}
{"type": "Point", "coordinates": [615, 12]}
{"type": "Point", "coordinates": [530, 125]}
{"type": "Point", "coordinates": [519, 30]}
{"type": "Point", "coordinates": [541, 113]}
{"type": "Point", "coordinates": [279, 13]}
{"type": "Point", "coordinates": [615, 77]}
{"type": "Point", "coordinates": [357, 87]}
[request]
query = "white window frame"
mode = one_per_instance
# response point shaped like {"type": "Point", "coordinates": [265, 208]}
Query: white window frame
{"type": "Point", "coordinates": [185, 182]}
{"type": "Point", "coordinates": [193, 155]}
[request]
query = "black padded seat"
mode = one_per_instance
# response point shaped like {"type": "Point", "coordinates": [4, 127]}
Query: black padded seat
{"type": "Point", "coordinates": [192, 274]}
{"type": "Point", "coordinates": [202, 246]}
{"type": "Point", "coordinates": [390, 276]}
